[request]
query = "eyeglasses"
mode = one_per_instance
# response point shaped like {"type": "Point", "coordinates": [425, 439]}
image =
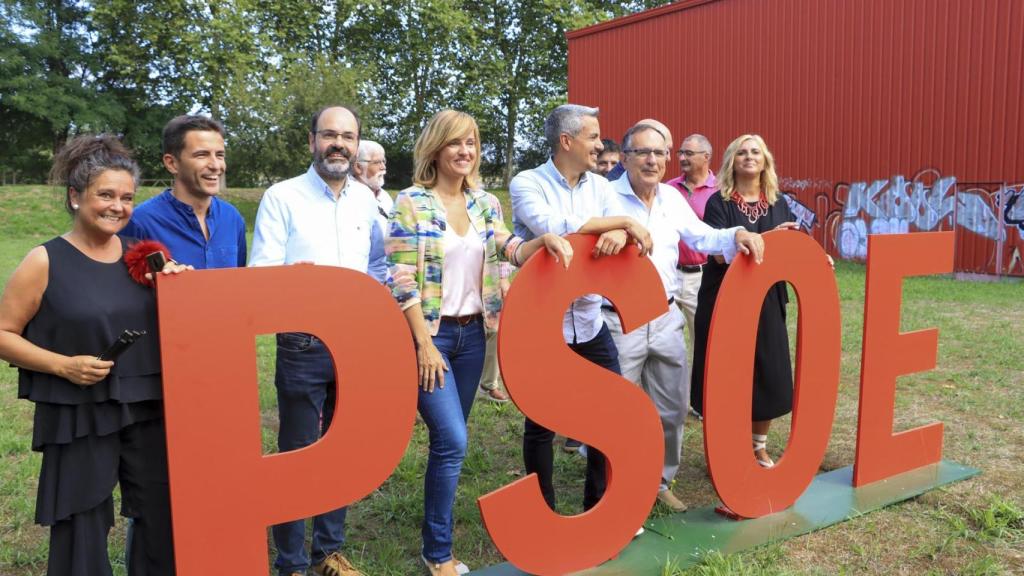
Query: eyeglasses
{"type": "Point", "coordinates": [658, 153]}
{"type": "Point", "coordinates": [691, 153]}
{"type": "Point", "coordinates": [374, 162]}
{"type": "Point", "coordinates": [332, 136]}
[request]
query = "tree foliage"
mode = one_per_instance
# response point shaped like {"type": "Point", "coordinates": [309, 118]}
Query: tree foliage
{"type": "Point", "coordinates": [263, 66]}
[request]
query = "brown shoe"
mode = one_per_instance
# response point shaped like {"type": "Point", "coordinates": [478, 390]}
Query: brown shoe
{"type": "Point", "coordinates": [494, 395]}
{"type": "Point", "coordinates": [668, 498]}
{"type": "Point", "coordinates": [336, 565]}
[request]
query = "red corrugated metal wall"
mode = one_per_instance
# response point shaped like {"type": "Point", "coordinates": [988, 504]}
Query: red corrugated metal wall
{"type": "Point", "coordinates": [883, 115]}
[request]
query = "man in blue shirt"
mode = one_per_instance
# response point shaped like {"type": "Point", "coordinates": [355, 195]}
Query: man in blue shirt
{"type": "Point", "coordinates": [329, 218]}
{"type": "Point", "coordinates": [197, 227]}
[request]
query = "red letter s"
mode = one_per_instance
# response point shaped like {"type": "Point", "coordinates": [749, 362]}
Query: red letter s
{"type": "Point", "coordinates": [565, 392]}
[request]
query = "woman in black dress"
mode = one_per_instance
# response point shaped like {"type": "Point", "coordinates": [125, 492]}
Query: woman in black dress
{"type": "Point", "coordinates": [750, 198]}
{"type": "Point", "coordinates": [97, 422]}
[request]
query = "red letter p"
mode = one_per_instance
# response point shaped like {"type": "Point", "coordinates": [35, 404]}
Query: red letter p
{"type": "Point", "coordinates": [224, 492]}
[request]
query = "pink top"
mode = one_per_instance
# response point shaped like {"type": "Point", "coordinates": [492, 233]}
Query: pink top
{"type": "Point", "coordinates": [697, 198]}
{"type": "Point", "coordinates": [463, 273]}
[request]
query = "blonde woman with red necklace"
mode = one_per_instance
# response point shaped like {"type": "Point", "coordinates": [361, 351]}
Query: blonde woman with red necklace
{"type": "Point", "coordinates": [750, 198]}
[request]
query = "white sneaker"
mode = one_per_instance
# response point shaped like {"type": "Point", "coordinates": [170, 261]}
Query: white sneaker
{"type": "Point", "coordinates": [639, 531]}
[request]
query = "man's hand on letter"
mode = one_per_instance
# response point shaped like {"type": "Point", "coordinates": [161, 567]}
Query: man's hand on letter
{"type": "Point", "coordinates": [750, 243]}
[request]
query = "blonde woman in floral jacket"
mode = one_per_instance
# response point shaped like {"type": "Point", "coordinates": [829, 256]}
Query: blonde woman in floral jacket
{"type": "Point", "coordinates": [445, 244]}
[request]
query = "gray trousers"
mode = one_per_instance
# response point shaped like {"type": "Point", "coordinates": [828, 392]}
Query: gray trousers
{"type": "Point", "coordinates": [686, 296]}
{"type": "Point", "coordinates": [653, 356]}
{"type": "Point", "coordinates": [490, 378]}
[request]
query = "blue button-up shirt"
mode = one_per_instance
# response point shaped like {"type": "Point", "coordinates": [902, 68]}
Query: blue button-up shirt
{"type": "Point", "coordinates": [300, 220]}
{"type": "Point", "coordinates": [542, 202]}
{"type": "Point", "coordinates": [616, 172]}
{"type": "Point", "coordinates": [671, 220]}
{"type": "Point", "coordinates": [174, 224]}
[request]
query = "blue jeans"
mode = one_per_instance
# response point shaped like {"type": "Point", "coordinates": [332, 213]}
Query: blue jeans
{"type": "Point", "coordinates": [445, 412]}
{"type": "Point", "coordinates": [305, 402]}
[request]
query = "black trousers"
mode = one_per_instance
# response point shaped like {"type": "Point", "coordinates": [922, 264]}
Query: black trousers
{"type": "Point", "coordinates": [538, 454]}
{"type": "Point", "coordinates": [78, 543]}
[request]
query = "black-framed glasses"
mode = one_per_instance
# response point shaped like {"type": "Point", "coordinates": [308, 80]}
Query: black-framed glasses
{"type": "Point", "coordinates": [332, 136]}
{"type": "Point", "coordinates": [659, 153]}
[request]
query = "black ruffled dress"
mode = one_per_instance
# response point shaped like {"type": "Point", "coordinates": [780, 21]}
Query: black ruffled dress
{"type": "Point", "coordinates": [86, 306]}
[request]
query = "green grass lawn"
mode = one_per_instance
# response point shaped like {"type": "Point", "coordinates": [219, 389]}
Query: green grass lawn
{"type": "Point", "coordinates": [977, 390]}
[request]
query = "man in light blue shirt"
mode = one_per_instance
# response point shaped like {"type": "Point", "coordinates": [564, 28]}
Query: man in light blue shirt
{"type": "Point", "coordinates": [653, 356]}
{"type": "Point", "coordinates": [564, 196]}
{"type": "Point", "coordinates": [321, 217]}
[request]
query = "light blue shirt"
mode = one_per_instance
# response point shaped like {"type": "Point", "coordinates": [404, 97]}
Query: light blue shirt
{"type": "Point", "coordinates": [669, 220]}
{"type": "Point", "coordinates": [542, 202]}
{"type": "Point", "coordinates": [300, 220]}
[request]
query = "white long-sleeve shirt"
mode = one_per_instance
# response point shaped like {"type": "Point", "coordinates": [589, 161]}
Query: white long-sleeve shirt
{"type": "Point", "coordinates": [669, 220]}
{"type": "Point", "coordinates": [299, 219]}
{"type": "Point", "coordinates": [543, 202]}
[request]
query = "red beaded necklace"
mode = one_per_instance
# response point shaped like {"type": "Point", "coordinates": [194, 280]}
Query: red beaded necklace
{"type": "Point", "coordinates": [753, 211]}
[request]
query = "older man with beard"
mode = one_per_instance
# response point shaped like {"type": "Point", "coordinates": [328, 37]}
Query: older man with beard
{"type": "Point", "coordinates": [321, 217]}
{"type": "Point", "coordinates": [369, 168]}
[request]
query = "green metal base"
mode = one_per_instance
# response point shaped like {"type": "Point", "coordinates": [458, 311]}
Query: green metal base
{"type": "Point", "coordinates": [681, 539]}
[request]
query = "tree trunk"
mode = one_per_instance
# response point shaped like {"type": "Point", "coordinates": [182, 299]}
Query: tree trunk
{"type": "Point", "coordinates": [511, 121]}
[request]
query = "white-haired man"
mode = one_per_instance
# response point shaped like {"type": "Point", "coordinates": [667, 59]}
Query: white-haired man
{"type": "Point", "coordinates": [369, 168]}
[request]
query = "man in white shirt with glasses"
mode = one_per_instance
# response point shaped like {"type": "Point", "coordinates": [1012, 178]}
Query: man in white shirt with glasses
{"type": "Point", "coordinates": [653, 356]}
{"type": "Point", "coordinates": [321, 217]}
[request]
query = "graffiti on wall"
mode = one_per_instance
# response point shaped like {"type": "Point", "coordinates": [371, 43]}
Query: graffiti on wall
{"type": "Point", "coordinates": [1013, 216]}
{"type": "Point", "coordinates": [989, 219]}
{"type": "Point", "coordinates": [805, 216]}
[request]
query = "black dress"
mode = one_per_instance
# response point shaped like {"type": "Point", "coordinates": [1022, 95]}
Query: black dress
{"type": "Point", "coordinates": [773, 373]}
{"type": "Point", "coordinates": [93, 437]}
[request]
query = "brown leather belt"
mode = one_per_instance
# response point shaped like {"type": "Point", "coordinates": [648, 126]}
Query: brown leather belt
{"type": "Point", "coordinates": [461, 320]}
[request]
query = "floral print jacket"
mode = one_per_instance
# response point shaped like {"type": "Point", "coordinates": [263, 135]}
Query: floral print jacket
{"type": "Point", "coordinates": [415, 251]}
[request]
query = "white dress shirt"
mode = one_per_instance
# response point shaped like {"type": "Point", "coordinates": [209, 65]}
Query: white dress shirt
{"type": "Point", "coordinates": [542, 202]}
{"type": "Point", "coordinates": [299, 220]}
{"type": "Point", "coordinates": [384, 204]}
{"type": "Point", "coordinates": [670, 220]}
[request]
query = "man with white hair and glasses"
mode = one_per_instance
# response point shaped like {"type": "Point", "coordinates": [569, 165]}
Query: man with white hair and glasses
{"type": "Point", "coordinates": [369, 168]}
